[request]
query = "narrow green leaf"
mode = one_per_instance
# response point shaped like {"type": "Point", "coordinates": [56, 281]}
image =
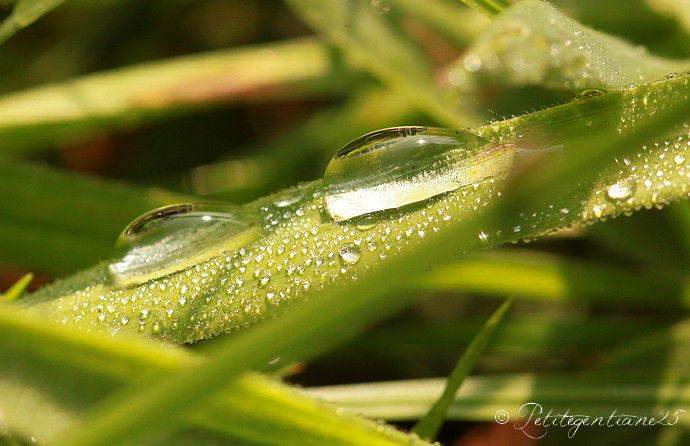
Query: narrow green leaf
{"type": "Point", "coordinates": [370, 41]}
{"type": "Point", "coordinates": [148, 411]}
{"type": "Point", "coordinates": [547, 277]}
{"type": "Point", "coordinates": [634, 392]}
{"type": "Point", "coordinates": [429, 425]}
{"type": "Point", "coordinates": [124, 97]}
{"type": "Point", "coordinates": [488, 7]}
{"type": "Point", "coordinates": [24, 13]}
{"type": "Point", "coordinates": [251, 409]}
{"type": "Point", "coordinates": [18, 288]}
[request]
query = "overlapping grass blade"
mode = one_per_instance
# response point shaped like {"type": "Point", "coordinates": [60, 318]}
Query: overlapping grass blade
{"type": "Point", "coordinates": [89, 367]}
{"type": "Point", "coordinates": [431, 422]}
{"type": "Point", "coordinates": [23, 14]}
{"type": "Point", "coordinates": [17, 289]}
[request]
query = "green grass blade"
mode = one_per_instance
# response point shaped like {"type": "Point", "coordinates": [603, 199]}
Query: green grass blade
{"type": "Point", "coordinates": [146, 411]}
{"type": "Point", "coordinates": [533, 43]}
{"type": "Point", "coordinates": [23, 14]}
{"type": "Point", "coordinates": [18, 288]}
{"type": "Point", "coordinates": [542, 276]}
{"type": "Point", "coordinates": [127, 96]}
{"type": "Point", "coordinates": [247, 301]}
{"type": "Point", "coordinates": [488, 7]}
{"type": "Point", "coordinates": [251, 409]}
{"type": "Point", "coordinates": [481, 396]}
{"type": "Point", "coordinates": [371, 42]}
{"type": "Point", "coordinates": [429, 425]}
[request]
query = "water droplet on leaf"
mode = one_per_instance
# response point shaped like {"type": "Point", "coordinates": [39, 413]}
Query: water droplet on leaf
{"type": "Point", "coordinates": [621, 190]}
{"type": "Point", "coordinates": [172, 238]}
{"type": "Point", "coordinates": [395, 167]}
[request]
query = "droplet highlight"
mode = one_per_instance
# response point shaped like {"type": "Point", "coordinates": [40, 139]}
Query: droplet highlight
{"type": "Point", "coordinates": [394, 167]}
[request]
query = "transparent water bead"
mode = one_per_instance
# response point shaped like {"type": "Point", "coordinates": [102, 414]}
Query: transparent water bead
{"type": "Point", "coordinates": [395, 167]}
{"type": "Point", "coordinates": [172, 238]}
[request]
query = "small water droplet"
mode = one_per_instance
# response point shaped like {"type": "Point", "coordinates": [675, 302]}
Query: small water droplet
{"type": "Point", "coordinates": [589, 93]}
{"type": "Point", "coordinates": [621, 190]}
{"type": "Point", "coordinates": [172, 238]}
{"type": "Point", "coordinates": [472, 62]}
{"type": "Point", "coordinates": [395, 167]}
{"type": "Point", "coordinates": [350, 254]}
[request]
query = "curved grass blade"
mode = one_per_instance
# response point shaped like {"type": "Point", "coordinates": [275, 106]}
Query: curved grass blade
{"type": "Point", "coordinates": [429, 425]}
{"type": "Point", "coordinates": [251, 409]}
{"type": "Point", "coordinates": [23, 14]}
{"type": "Point", "coordinates": [341, 312]}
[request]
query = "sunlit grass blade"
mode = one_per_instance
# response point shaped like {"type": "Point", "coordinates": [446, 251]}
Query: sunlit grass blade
{"type": "Point", "coordinates": [481, 396]}
{"type": "Point", "coordinates": [370, 41]}
{"type": "Point", "coordinates": [251, 409]}
{"type": "Point", "coordinates": [429, 425]}
{"type": "Point", "coordinates": [17, 289]}
{"type": "Point", "coordinates": [533, 43]}
{"type": "Point", "coordinates": [289, 226]}
{"type": "Point", "coordinates": [147, 411]}
{"type": "Point", "coordinates": [542, 276]}
{"type": "Point", "coordinates": [488, 7]}
{"type": "Point", "coordinates": [130, 96]}
{"type": "Point", "coordinates": [23, 14]}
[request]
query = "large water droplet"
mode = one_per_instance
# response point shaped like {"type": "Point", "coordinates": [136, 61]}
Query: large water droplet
{"type": "Point", "coordinates": [394, 167]}
{"type": "Point", "coordinates": [172, 238]}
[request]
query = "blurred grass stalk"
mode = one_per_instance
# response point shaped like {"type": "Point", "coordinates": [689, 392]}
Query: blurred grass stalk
{"type": "Point", "coordinates": [128, 96]}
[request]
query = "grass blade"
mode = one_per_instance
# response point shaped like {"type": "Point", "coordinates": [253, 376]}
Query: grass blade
{"type": "Point", "coordinates": [146, 411]}
{"type": "Point", "coordinates": [24, 13]}
{"type": "Point", "coordinates": [488, 7]}
{"type": "Point", "coordinates": [142, 93]}
{"type": "Point", "coordinates": [429, 425]}
{"type": "Point", "coordinates": [16, 290]}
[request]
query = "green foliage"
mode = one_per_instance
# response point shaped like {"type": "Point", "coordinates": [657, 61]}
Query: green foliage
{"type": "Point", "coordinates": [77, 362]}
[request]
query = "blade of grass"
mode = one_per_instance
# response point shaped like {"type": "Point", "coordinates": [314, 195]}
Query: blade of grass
{"type": "Point", "coordinates": [488, 7]}
{"type": "Point", "coordinates": [430, 423]}
{"type": "Point", "coordinates": [18, 288]}
{"type": "Point", "coordinates": [24, 13]}
{"type": "Point", "coordinates": [548, 277]}
{"type": "Point", "coordinates": [288, 227]}
{"type": "Point", "coordinates": [371, 42]}
{"type": "Point", "coordinates": [147, 410]}
{"type": "Point", "coordinates": [130, 96]}
{"type": "Point", "coordinates": [481, 396]}
{"type": "Point", "coordinates": [251, 409]}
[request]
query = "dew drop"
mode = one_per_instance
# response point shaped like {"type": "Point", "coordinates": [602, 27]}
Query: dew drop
{"type": "Point", "coordinates": [172, 238]}
{"type": "Point", "coordinates": [589, 94]}
{"type": "Point", "coordinates": [621, 190]}
{"type": "Point", "coordinates": [395, 167]}
{"type": "Point", "coordinates": [350, 254]}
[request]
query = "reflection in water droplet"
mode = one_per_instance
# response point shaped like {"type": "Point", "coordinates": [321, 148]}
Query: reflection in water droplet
{"type": "Point", "coordinates": [350, 254]}
{"type": "Point", "coordinates": [622, 190]}
{"type": "Point", "coordinates": [171, 238]}
{"type": "Point", "coordinates": [394, 167]}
